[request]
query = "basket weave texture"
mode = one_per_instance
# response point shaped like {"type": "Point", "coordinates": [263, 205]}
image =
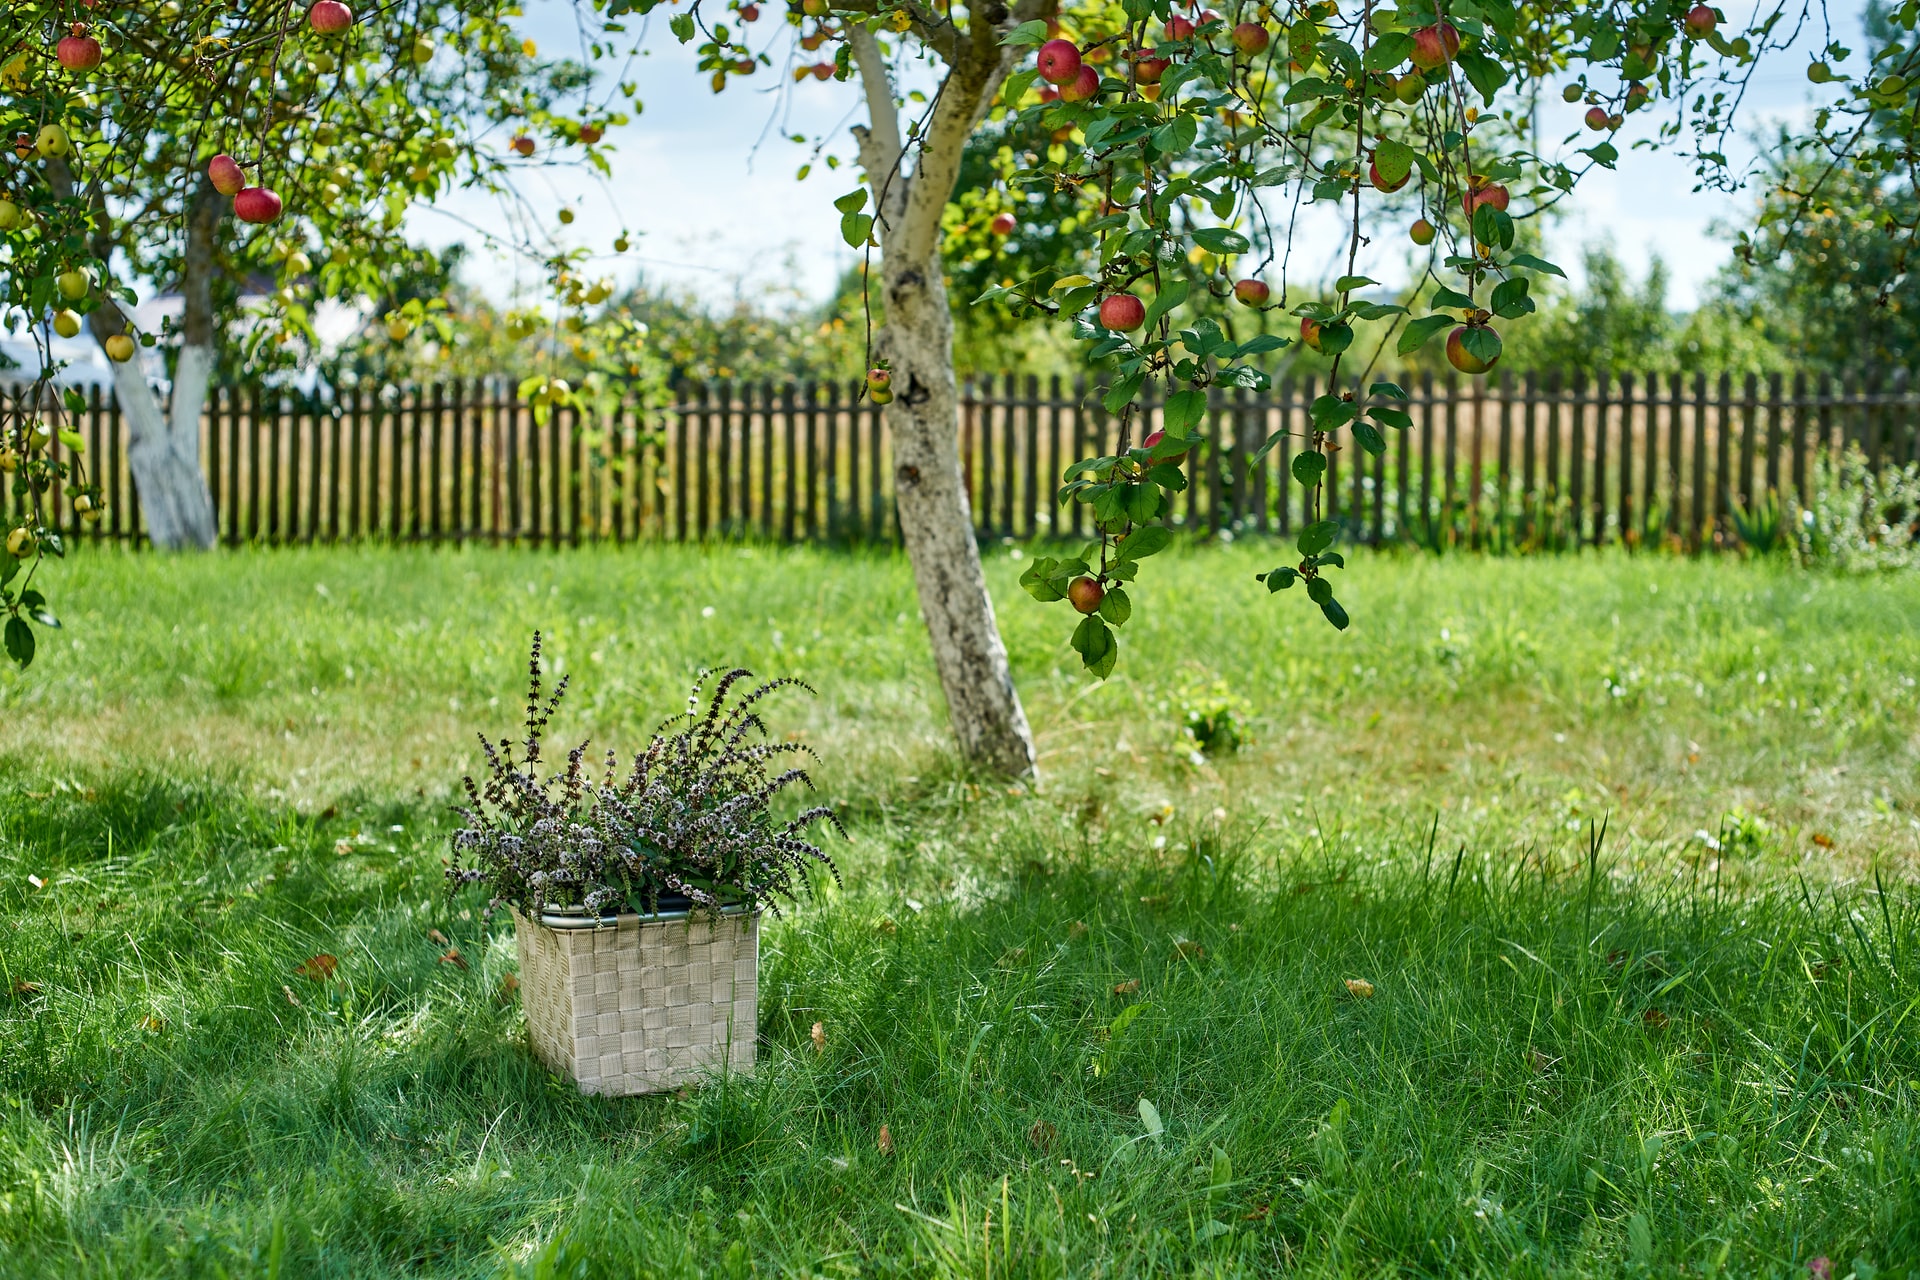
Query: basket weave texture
{"type": "Point", "coordinates": [645, 1005]}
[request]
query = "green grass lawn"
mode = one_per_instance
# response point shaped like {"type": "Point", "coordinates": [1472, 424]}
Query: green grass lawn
{"type": "Point", "coordinates": [1688, 1047]}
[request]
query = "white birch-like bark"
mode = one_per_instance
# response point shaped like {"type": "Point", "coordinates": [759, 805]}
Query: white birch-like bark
{"type": "Point", "coordinates": [916, 339]}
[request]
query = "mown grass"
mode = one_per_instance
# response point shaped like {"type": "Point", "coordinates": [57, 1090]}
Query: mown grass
{"type": "Point", "coordinates": [1637, 1054]}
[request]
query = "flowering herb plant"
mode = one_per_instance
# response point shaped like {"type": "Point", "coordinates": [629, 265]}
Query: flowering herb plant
{"type": "Point", "coordinates": [688, 826]}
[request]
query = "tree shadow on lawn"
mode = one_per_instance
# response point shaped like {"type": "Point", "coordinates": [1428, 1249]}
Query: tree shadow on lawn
{"type": "Point", "coordinates": [1559, 1070]}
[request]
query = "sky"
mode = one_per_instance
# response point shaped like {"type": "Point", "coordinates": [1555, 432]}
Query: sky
{"type": "Point", "coordinates": [706, 182]}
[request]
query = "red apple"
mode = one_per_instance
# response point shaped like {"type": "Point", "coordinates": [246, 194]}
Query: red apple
{"type": "Point", "coordinates": [1310, 332]}
{"type": "Point", "coordinates": [878, 378]}
{"type": "Point", "coordinates": [1700, 21]}
{"type": "Point", "coordinates": [1421, 232]}
{"type": "Point", "coordinates": [1487, 193]}
{"type": "Point", "coordinates": [1596, 118]}
{"type": "Point", "coordinates": [1148, 69]}
{"type": "Point", "coordinates": [591, 133]}
{"type": "Point", "coordinates": [256, 204]}
{"type": "Point", "coordinates": [79, 51]}
{"type": "Point", "coordinates": [1086, 594]}
{"type": "Point", "coordinates": [1059, 62]}
{"type": "Point", "coordinates": [522, 144]}
{"type": "Point", "coordinates": [1179, 28]}
{"type": "Point", "coordinates": [1003, 224]}
{"type": "Point", "coordinates": [749, 13]}
{"type": "Point", "coordinates": [1085, 86]}
{"type": "Point", "coordinates": [823, 71]}
{"type": "Point", "coordinates": [1154, 437]}
{"type": "Point", "coordinates": [1462, 359]}
{"type": "Point", "coordinates": [226, 175]}
{"type": "Point", "coordinates": [1049, 94]}
{"type": "Point", "coordinates": [1254, 293]}
{"type": "Point", "coordinates": [1122, 312]}
{"type": "Point", "coordinates": [1435, 46]}
{"type": "Point", "coordinates": [329, 17]}
{"type": "Point", "coordinates": [1251, 38]}
{"type": "Point", "coordinates": [1380, 184]}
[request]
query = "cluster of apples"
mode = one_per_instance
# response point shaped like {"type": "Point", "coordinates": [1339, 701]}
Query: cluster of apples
{"type": "Point", "coordinates": [250, 204]}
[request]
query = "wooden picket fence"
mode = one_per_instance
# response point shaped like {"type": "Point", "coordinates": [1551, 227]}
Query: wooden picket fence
{"type": "Point", "coordinates": [1544, 462]}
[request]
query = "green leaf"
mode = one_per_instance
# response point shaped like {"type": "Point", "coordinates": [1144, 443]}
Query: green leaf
{"type": "Point", "coordinates": [1306, 89]}
{"type": "Point", "coordinates": [1493, 226]}
{"type": "Point", "coordinates": [854, 228]}
{"type": "Point", "coordinates": [1177, 135]}
{"type": "Point", "coordinates": [1510, 300]}
{"type": "Point", "coordinates": [1038, 580]}
{"type": "Point", "coordinates": [1483, 73]}
{"type": "Point", "coordinates": [1389, 51]}
{"type": "Point", "coordinates": [1026, 33]}
{"type": "Point", "coordinates": [1143, 502]}
{"type": "Point", "coordinates": [1121, 393]}
{"type": "Point", "coordinates": [1115, 607]}
{"type": "Point", "coordinates": [1150, 1117]}
{"type": "Point", "coordinates": [852, 202]}
{"type": "Point", "coordinates": [1330, 412]}
{"type": "Point", "coordinates": [1399, 419]}
{"type": "Point", "coordinates": [1394, 160]}
{"type": "Point", "coordinates": [1333, 558]}
{"type": "Point", "coordinates": [1604, 154]}
{"type": "Point", "coordinates": [1183, 409]}
{"type": "Point", "coordinates": [1274, 177]}
{"type": "Point", "coordinates": [1445, 297]}
{"type": "Point", "coordinates": [1279, 579]}
{"type": "Point", "coordinates": [1420, 332]}
{"type": "Point", "coordinates": [20, 641]}
{"type": "Point", "coordinates": [1482, 344]}
{"type": "Point", "coordinates": [1221, 240]}
{"type": "Point", "coordinates": [1376, 310]}
{"type": "Point", "coordinates": [1167, 475]}
{"type": "Point", "coordinates": [1143, 542]}
{"type": "Point", "coordinates": [1318, 536]}
{"type": "Point", "coordinates": [1308, 467]}
{"type": "Point", "coordinates": [1346, 284]}
{"type": "Point", "coordinates": [1333, 612]}
{"type": "Point", "coordinates": [681, 24]}
{"type": "Point", "coordinates": [1392, 390]}
{"type": "Point", "coordinates": [1369, 437]}
{"type": "Point", "coordinates": [1167, 299]}
{"type": "Point", "coordinates": [1093, 641]}
{"type": "Point", "coordinates": [1260, 344]}
{"type": "Point", "coordinates": [1335, 338]}
{"type": "Point", "coordinates": [1532, 263]}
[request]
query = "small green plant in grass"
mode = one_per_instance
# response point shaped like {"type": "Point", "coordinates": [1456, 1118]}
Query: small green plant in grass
{"type": "Point", "coordinates": [1214, 719]}
{"type": "Point", "coordinates": [1758, 524]}
{"type": "Point", "coordinates": [1859, 520]}
{"type": "Point", "coordinates": [690, 821]}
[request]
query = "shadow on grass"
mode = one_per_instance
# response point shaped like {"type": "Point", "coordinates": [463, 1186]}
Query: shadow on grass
{"type": "Point", "coordinates": [1085, 1060]}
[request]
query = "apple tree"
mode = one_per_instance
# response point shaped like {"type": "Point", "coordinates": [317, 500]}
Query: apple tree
{"type": "Point", "coordinates": [212, 143]}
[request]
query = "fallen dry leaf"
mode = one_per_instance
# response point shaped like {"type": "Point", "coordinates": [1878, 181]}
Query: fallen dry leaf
{"type": "Point", "coordinates": [885, 1142]}
{"type": "Point", "coordinates": [1188, 949]}
{"type": "Point", "coordinates": [1126, 988]}
{"type": "Point", "coordinates": [1076, 931]}
{"type": "Point", "coordinates": [437, 937]}
{"type": "Point", "coordinates": [886, 926]}
{"type": "Point", "coordinates": [342, 847]}
{"type": "Point", "coordinates": [1041, 1135]}
{"type": "Point", "coordinates": [153, 1022]}
{"type": "Point", "coordinates": [21, 987]}
{"type": "Point", "coordinates": [453, 957]}
{"type": "Point", "coordinates": [317, 968]}
{"type": "Point", "coordinates": [292, 999]}
{"type": "Point", "coordinates": [1258, 1212]}
{"type": "Point", "coordinates": [1822, 839]}
{"type": "Point", "coordinates": [509, 987]}
{"type": "Point", "coordinates": [36, 881]}
{"type": "Point", "coordinates": [1656, 1020]}
{"type": "Point", "coordinates": [819, 1037]}
{"type": "Point", "coordinates": [1359, 988]}
{"type": "Point", "coordinates": [1540, 1062]}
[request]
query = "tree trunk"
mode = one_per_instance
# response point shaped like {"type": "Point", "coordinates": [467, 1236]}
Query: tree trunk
{"type": "Point", "coordinates": [163, 447]}
{"type": "Point", "coordinates": [916, 339]}
{"type": "Point", "coordinates": [936, 521]}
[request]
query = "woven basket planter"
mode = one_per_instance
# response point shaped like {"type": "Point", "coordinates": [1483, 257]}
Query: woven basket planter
{"type": "Point", "coordinates": [642, 1004]}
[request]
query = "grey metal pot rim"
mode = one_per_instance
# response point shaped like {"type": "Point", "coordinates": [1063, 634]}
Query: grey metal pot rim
{"type": "Point", "coordinates": [580, 920]}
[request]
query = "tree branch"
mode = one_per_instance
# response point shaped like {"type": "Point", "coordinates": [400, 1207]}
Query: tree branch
{"type": "Point", "coordinates": [880, 150]}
